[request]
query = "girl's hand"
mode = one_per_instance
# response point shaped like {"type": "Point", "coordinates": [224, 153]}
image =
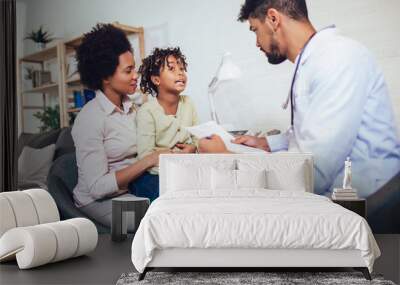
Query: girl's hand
{"type": "Point", "coordinates": [186, 148]}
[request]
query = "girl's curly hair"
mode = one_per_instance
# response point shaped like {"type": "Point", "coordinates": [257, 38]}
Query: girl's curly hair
{"type": "Point", "coordinates": [153, 64]}
{"type": "Point", "coordinates": [98, 54]}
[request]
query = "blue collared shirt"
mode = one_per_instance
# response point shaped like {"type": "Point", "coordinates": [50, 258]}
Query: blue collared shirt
{"type": "Point", "coordinates": [342, 108]}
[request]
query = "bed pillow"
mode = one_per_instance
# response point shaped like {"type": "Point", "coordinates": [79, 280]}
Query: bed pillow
{"type": "Point", "coordinates": [223, 179]}
{"type": "Point", "coordinates": [293, 179]}
{"type": "Point", "coordinates": [251, 178]}
{"type": "Point", "coordinates": [288, 174]}
{"type": "Point", "coordinates": [182, 177]}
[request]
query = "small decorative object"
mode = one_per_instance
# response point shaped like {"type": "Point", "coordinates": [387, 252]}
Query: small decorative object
{"type": "Point", "coordinates": [50, 118]}
{"type": "Point", "coordinates": [347, 174]}
{"type": "Point", "coordinates": [78, 99]}
{"type": "Point", "coordinates": [40, 37]}
{"type": "Point", "coordinates": [41, 77]}
{"type": "Point", "coordinates": [29, 73]}
{"type": "Point", "coordinates": [347, 192]}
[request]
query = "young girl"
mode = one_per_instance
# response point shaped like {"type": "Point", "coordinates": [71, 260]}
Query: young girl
{"type": "Point", "coordinates": [161, 122]}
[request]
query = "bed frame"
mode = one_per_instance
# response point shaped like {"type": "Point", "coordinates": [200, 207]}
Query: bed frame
{"type": "Point", "coordinates": [242, 259]}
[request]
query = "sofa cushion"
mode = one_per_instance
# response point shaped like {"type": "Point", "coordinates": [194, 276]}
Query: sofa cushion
{"type": "Point", "coordinates": [34, 164]}
{"type": "Point", "coordinates": [37, 140]}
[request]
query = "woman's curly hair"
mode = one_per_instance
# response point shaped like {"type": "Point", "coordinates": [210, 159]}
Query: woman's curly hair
{"type": "Point", "coordinates": [98, 54]}
{"type": "Point", "coordinates": [153, 64]}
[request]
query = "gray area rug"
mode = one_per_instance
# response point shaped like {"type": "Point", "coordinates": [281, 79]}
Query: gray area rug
{"type": "Point", "coordinates": [229, 278]}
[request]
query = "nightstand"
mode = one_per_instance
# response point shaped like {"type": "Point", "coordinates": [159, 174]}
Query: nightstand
{"type": "Point", "coordinates": [358, 206]}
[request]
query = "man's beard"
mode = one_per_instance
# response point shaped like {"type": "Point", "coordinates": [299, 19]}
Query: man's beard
{"type": "Point", "coordinates": [274, 57]}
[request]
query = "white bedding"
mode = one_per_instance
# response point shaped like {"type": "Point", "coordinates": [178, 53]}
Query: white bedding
{"type": "Point", "coordinates": [252, 218]}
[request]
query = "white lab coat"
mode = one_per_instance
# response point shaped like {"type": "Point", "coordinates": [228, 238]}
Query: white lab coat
{"type": "Point", "coordinates": [342, 108]}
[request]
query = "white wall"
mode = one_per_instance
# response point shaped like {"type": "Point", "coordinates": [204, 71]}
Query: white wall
{"type": "Point", "coordinates": [206, 29]}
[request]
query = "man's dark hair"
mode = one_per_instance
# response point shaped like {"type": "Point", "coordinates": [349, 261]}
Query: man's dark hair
{"type": "Point", "coordinates": [98, 54]}
{"type": "Point", "coordinates": [154, 63]}
{"type": "Point", "coordinates": [295, 9]}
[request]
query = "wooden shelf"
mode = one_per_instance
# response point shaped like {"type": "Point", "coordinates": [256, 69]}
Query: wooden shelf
{"type": "Point", "coordinates": [74, 110]}
{"type": "Point", "coordinates": [32, 107]}
{"type": "Point", "coordinates": [128, 29]}
{"type": "Point", "coordinates": [41, 56]}
{"type": "Point", "coordinates": [71, 45]}
{"type": "Point", "coordinates": [74, 80]}
{"type": "Point", "coordinates": [43, 89]}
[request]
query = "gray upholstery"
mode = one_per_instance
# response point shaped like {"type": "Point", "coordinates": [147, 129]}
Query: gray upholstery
{"type": "Point", "coordinates": [62, 178]}
{"type": "Point", "coordinates": [64, 144]}
{"type": "Point", "coordinates": [37, 140]}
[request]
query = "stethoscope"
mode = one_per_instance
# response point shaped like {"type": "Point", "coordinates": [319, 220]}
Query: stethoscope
{"type": "Point", "coordinates": [290, 95]}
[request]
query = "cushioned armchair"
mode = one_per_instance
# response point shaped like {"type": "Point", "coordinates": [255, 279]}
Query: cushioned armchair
{"type": "Point", "coordinates": [62, 178]}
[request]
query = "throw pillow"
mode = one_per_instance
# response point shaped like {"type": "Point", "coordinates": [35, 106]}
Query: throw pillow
{"type": "Point", "coordinates": [34, 164]}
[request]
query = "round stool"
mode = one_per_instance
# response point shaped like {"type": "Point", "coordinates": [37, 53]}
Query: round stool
{"type": "Point", "coordinates": [120, 207]}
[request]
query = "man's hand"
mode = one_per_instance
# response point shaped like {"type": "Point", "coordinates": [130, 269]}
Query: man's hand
{"type": "Point", "coordinates": [186, 148]}
{"type": "Point", "coordinates": [214, 144]}
{"type": "Point", "coordinates": [252, 141]}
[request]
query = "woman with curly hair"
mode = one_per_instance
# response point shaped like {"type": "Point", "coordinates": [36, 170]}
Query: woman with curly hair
{"type": "Point", "coordinates": [104, 131]}
{"type": "Point", "coordinates": [161, 122]}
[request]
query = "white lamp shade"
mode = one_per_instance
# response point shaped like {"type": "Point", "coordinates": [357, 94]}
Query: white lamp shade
{"type": "Point", "coordinates": [228, 70]}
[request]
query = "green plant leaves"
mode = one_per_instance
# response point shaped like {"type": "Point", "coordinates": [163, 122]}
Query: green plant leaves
{"type": "Point", "coordinates": [50, 118]}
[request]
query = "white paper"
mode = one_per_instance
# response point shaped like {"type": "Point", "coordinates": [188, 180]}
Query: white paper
{"type": "Point", "coordinates": [212, 128]}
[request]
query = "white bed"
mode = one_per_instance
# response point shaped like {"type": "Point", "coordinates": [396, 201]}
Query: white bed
{"type": "Point", "coordinates": [247, 210]}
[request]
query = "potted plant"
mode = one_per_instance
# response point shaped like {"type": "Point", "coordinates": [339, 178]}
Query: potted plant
{"type": "Point", "coordinates": [50, 118]}
{"type": "Point", "coordinates": [30, 75]}
{"type": "Point", "coordinates": [40, 37]}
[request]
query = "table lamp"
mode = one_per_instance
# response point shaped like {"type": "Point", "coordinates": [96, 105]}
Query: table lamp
{"type": "Point", "coordinates": [226, 71]}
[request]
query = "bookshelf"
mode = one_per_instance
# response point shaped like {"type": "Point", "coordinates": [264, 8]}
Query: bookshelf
{"type": "Point", "coordinates": [65, 83]}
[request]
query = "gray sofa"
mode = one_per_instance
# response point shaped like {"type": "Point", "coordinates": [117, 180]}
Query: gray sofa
{"type": "Point", "coordinates": [63, 173]}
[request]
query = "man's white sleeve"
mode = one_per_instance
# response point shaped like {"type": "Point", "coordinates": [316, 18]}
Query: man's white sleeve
{"type": "Point", "coordinates": [334, 106]}
{"type": "Point", "coordinates": [278, 142]}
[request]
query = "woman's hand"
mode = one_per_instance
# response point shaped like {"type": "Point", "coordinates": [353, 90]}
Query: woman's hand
{"type": "Point", "coordinates": [186, 148]}
{"type": "Point", "coordinates": [153, 158]}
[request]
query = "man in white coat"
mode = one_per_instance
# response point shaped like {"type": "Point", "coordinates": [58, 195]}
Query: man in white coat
{"type": "Point", "coordinates": [338, 99]}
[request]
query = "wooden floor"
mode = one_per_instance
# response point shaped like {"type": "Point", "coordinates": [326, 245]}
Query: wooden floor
{"type": "Point", "coordinates": [110, 259]}
{"type": "Point", "coordinates": [102, 266]}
